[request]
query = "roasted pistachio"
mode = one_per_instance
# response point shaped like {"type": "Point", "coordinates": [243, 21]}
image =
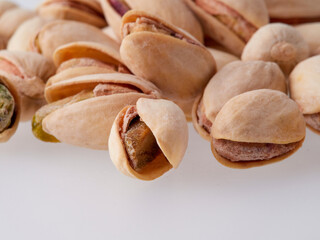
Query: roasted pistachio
{"type": "Point", "coordinates": [148, 139]}
{"type": "Point", "coordinates": [222, 58]}
{"type": "Point", "coordinates": [257, 128]}
{"type": "Point", "coordinates": [311, 34]}
{"type": "Point", "coordinates": [6, 5]}
{"type": "Point", "coordinates": [7, 103]}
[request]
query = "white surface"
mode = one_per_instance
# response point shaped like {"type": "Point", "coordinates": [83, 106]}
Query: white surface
{"type": "Point", "coordinates": [55, 191]}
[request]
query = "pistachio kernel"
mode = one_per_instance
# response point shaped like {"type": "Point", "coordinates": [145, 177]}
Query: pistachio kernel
{"type": "Point", "coordinates": [7, 106]}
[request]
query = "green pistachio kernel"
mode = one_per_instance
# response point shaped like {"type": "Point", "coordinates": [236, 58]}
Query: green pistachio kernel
{"type": "Point", "coordinates": [7, 106]}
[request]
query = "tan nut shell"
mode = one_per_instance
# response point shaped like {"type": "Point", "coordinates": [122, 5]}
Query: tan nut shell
{"type": "Point", "coordinates": [88, 123]}
{"type": "Point", "coordinates": [311, 34]}
{"type": "Point", "coordinates": [61, 11]}
{"type": "Point", "coordinates": [279, 43]}
{"type": "Point", "coordinates": [172, 11]}
{"type": "Point", "coordinates": [167, 123]}
{"type": "Point", "coordinates": [305, 85]}
{"type": "Point", "coordinates": [110, 33]}
{"type": "Point", "coordinates": [61, 32]}
{"type": "Point", "coordinates": [253, 11]}
{"type": "Point", "coordinates": [5, 6]}
{"type": "Point", "coordinates": [36, 70]}
{"type": "Point", "coordinates": [180, 69]}
{"type": "Point", "coordinates": [21, 39]}
{"type": "Point", "coordinates": [260, 116]}
{"type": "Point", "coordinates": [4, 79]}
{"type": "Point", "coordinates": [234, 79]}
{"type": "Point", "coordinates": [222, 58]}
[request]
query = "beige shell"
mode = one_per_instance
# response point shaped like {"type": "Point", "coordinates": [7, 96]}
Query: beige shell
{"type": "Point", "coordinates": [311, 34]}
{"type": "Point", "coordinates": [172, 11]}
{"type": "Point", "coordinates": [4, 79]}
{"type": "Point", "coordinates": [58, 9]}
{"type": "Point", "coordinates": [305, 85]}
{"type": "Point", "coordinates": [88, 123]}
{"type": "Point", "coordinates": [234, 79]}
{"type": "Point", "coordinates": [21, 39]}
{"type": "Point", "coordinates": [167, 123]}
{"type": "Point", "coordinates": [34, 71]}
{"type": "Point", "coordinates": [179, 68]}
{"type": "Point", "coordinates": [253, 11]}
{"type": "Point", "coordinates": [110, 33]}
{"type": "Point", "coordinates": [61, 32]}
{"type": "Point", "coordinates": [260, 116]}
{"type": "Point", "coordinates": [5, 6]}
{"type": "Point", "coordinates": [222, 58]}
{"type": "Point", "coordinates": [279, 43]}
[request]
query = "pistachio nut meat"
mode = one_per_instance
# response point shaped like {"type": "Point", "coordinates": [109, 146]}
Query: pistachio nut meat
{"type": "Point", "coordinates": [305, 90]}
{"type": "Point", "coordinates": [230, 22]}
{"type": "Point", "coordinates": [28, 72]}
{"type": "Point", "coordinates": [172, 11]}
{"type": "Point", "coordinates": [279, 43]}
{"type": "Point", "coordinates": [87, 11]}
{"type": "Point", "coordinates": [9, 108]}
{"type": "Point", "coordinates": [294, 11]}
{"type": "Point", "coordinates": [167, 56]}
{"type": "Point", "coordinates": [222, 58]}
{"type": "Point", "coordinates": [81, 110]}
{"type": "Point", "coordinates": [148, 139]}
{"type": "Point", "coordinates": [61, 32]}
{"type": "Point", "coordinates": [234, 79]}
{"type": "Point", "coordinates": [311, 34]}
{"type": "Point", "coordinates": [257, 128]}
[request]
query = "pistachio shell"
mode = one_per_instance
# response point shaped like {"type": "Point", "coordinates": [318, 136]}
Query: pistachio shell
{"type": "Point", "coordinates": [110, 33]}
{"type": "Point", "coordinates": [222, 58]}
{"type": "Point", "coordinates": [311, 34]}
{"type": "Point", "coordinates": [305, 85]}
{"type": "Point", "coordinates": [168, 125]}
{"type": "Point", "coordinates": [260, 116]}
{"type": "Point", "coordinates": [279, 43]}
{"type": "Point", "coordinates": [165, 9]}
{"type": "Point", "coordinates": [5, 6]}
{"type": "Point", "coordinates": [234, 79]}
{"type": "Point", "coordinates": [179, 68]}
{"type": "Point", "coordinates": [67, 10]}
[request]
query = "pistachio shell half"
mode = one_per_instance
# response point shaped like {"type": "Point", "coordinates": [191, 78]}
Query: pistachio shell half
{"type": "Point", "coordinates": [148, 139]}
{"type": "Point", "coordinates": [311, 34]}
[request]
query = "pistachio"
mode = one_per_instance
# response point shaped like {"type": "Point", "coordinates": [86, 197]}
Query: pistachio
{"type": "Point", "coordinates": [311, 34]}
{"type": "Point", "coordinates": [6, 5]}
{"type": "Point", "coordinates": [222, 58]}
{"type": "Point", "coordinates": [7, 105]}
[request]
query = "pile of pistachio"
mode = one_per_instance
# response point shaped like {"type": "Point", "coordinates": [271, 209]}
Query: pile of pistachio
{"type": "Point", "coordinates": [127, 75]}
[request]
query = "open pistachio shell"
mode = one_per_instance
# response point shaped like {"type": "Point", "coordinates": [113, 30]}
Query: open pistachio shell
{"type": "Point", "coordinates": [6, 134]}
{"type": "Point", "coordinates": [61, 32]}
{"type": "Point", "coordinates": [279, 43]}
{"type": "Point", "coordinates": [254, 13]}
{"type": "Point", "coordinates": [87, 11]}
{"type": "Point", "coordinates": [260, 117]}
{"type": "Point", "coordinates": [175, 62]}
{"type": "Point", "coordinates": [234, 79]}
{"type": "Point", "coordinates": [165, 9]}
{"type": "Point", "coordinates": [29, 72]}
{"type": "Point", "coordinates": [311, 34]}
{"type": "Point", "coordinates": [6, 5]}
{"type": "Point", "coordinates": [222, 58]}
{"type": "Point", "coordinates": [110, 33]}
{"type": "Point", "coordinates": [88, 123]}
{"type": "Point", "coordinates": [168, 126]}
{"type": "Point", "coordinates": [21, 39]}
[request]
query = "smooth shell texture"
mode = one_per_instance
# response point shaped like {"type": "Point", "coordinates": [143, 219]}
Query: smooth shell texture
{"type": "Point", "coordinates": [236, 78]}
{"type": "Point", "coordinates": [179, 68]}
{"type": "Point", "coordinates": [172, 11]}
{"type": "Point", "coordinates": [305, 85]}
{"type": "Point", "coordinates": [222, 58]}
{"type": "Point", "coordinates": [62, 11]}
{"type": "Point", "coordinates": [167, 123]}
{"type": "Point", "coordinates": [61, 32]}
{"type": "Point", "coordinates": [110, 33]}
{"type": "Point", "coordinates": [6, 5]}
{"type": "Point", "coordinates": [278, 43]}
{"type": "Point", "coordinates": [260, 116]}
{"type": "Point", "coordinates": [311, 34]}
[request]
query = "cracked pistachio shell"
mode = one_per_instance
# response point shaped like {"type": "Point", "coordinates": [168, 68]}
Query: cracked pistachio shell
{"type": "Point", "coordinates": [254, 12]}
{"type": "Point", "coordinates": [260, 116]}
{"type": "Point", "coordinates": [311, 34]}
{"type": "Point", "coordinates": [61, 32]}
{"type": "Point", "coordinates": [279, 43]}
{"type": "Point", "coordinates": [172, 11]}
{"type": "Point", "coordinates": [88, 123]}
{"type": "Point", "coordinates": [10, 131]}
{"type": "Point", "coordinates": [168, 125]}
{"type": "Point", "coordinates": [29, 72]}
{"type": "Point", "coordinates": [87, 11]}
{"type": "Point", "coordinates": [6, 5]}
{"type": "Point", "coordinates": [234, 79]}
{"type": "Point", "coordinates": [179, 68]}
{"type": "Point", "coordinates": [20, 40]}
{"type": "Point", "coordinates": [305, 85]}
{"type": "Point", "coordinates": [222, 58]}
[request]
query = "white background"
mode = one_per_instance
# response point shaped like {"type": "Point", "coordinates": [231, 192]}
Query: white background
{"type": "Point", "coordinates": [55, 191]}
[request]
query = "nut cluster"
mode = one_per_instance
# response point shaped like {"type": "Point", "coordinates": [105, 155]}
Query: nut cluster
{"type": "Point", "coordinates": [127, 75]}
